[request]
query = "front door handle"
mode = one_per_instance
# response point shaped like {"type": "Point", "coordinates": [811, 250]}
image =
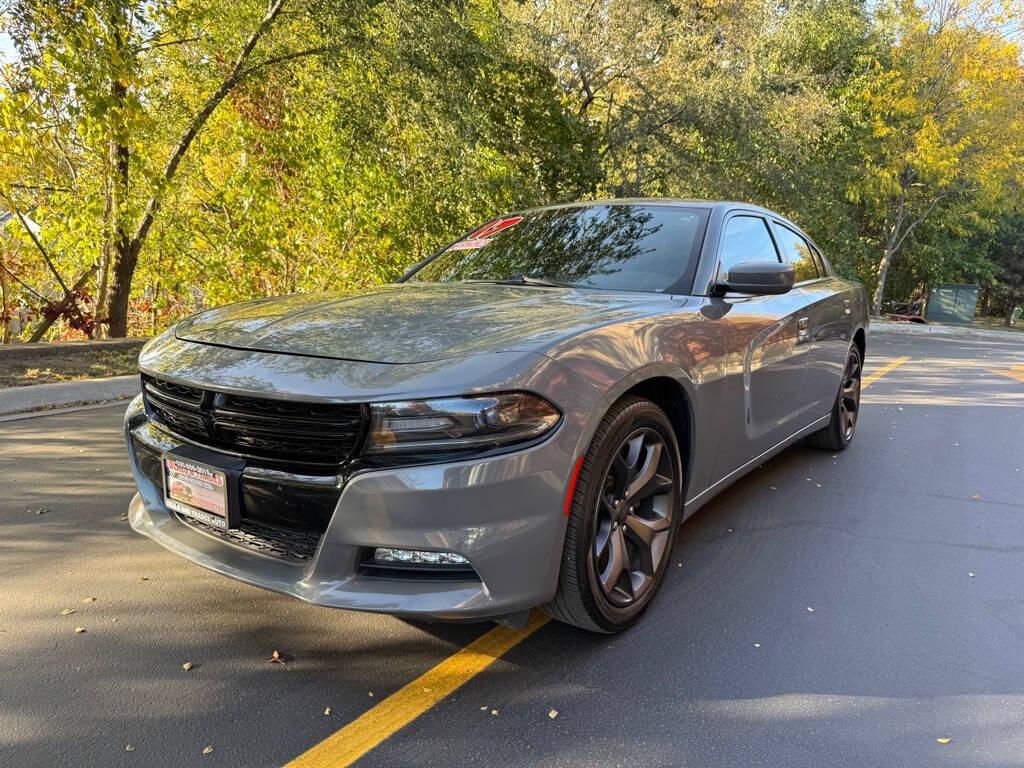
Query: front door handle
{"type": "Point", "coordinates": [846, 305]}
{"type": "Point", "coordinates": [802, 333]}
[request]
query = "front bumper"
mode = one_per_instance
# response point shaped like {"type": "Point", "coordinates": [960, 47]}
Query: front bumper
{"type": "Point", "coordinates": [504, 514]}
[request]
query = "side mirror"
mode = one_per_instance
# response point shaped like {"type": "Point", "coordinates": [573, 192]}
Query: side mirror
{"type": "Point", "coordinates": [759, 278]}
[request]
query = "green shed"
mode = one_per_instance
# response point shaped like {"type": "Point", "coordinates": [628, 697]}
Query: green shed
{"type": "Point", "coordinates": [952, 304]}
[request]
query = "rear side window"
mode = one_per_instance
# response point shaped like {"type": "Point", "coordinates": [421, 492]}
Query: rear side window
{"type": "Point", "coordinates": [746, 238]}
{"type": "Point", "coordinates": [819, 261]}
{"type": "Point", "coordinates": [796, 249]}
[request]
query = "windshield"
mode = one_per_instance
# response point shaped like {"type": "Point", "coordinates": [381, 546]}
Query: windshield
{"type": "Point", "coordinates": [623, 247]}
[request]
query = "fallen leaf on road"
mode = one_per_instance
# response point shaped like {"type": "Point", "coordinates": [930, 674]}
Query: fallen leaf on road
{"type": "Point", "coordinates": [757, 645]}
{"type": "Point", "coordinates": [327, 711]}
{"type": "Point", "coordinates": [79, 630]}
{"type": "Point", "coordinates": [427, 690]}
{"type": "Point", "coordinates": [207, 749]}
{"type": "Point", "coordinates": [553, 714]}
{"type": "Point", "coordinates": [494, 712]}
{"type": "Point", "coordinates": [88, 599]}
{"type": "Point", "coordinates": [187, 666]}
{"type": "Point", "coordinates": [67, 611]}
{"type": "Point", "coordinates": [483, 709]}
{"type": "Point", "coordinates": [943, 740]}
{"type": "Point", "coordinates": [370, 694]}
{"type": "Point", "coordinates": [276, 658]}
{"type": "Point", "coordinates": [129, 748]}
{"type": "Point", "coordinates": [970, 574]}
{"type": "Point", "coordinates": [809, 609]}
{"type": "Point", "coordinates": [42, 510]}
{"type": "Point", "coordinates": [143, 578]}
{"type": "Point", "coordinates": [976, 496]}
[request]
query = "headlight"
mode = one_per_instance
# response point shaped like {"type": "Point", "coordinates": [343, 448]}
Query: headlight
{"type": "Point", "coordinates": [457, 423]}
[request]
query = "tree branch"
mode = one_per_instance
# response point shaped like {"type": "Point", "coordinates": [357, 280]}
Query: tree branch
{"type": "Point", "coordinates": [919, 219]}
{"type": "Point", "coordinates": [287, 57]}
{"type": "Point", "coordinates": [35, 239]}
{"type": "Point", "coordinates": [25, 285]}
{"type": "Point", "coordinates": [153, 46]}
{"type": "Point", "coordinates": [229, 82]}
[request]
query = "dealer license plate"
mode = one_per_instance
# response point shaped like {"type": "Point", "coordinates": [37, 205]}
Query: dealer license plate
{"type": "Point", "coordinates": [196, 490]}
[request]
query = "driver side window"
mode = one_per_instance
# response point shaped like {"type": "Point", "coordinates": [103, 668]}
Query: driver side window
{"type": "Point", "coordinates": [746, 238]}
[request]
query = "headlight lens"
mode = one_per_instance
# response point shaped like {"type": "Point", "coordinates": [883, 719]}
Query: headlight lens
{"type": "Point", "coordinates": [458, 423]}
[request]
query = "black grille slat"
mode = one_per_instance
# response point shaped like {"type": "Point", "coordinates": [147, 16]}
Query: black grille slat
{"type": "Point", "coordinates": [297, 428]}
{"type": "Point", "coordinates": [285, 543]}
{"type": "Point", "coordinates": [285, 431]}
{"type": "Point", "coordinates": [316, 411]}
{"type": "Point", "coordinates": [171, 389]}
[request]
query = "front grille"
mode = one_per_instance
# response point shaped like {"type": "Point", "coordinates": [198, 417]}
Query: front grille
{"type": "Point", "coordinates": [283, 543]}
{"type": "Point", "coordinates": [279, 430]}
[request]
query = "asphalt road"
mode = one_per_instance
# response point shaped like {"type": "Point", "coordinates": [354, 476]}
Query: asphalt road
{"type": "Point", "coordinates": [909, 548]}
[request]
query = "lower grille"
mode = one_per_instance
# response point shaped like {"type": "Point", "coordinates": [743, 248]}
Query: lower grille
{"type": "Point", "coordinates": [286, 523]}
{"type": "Point", "coordinates": [284, 543]}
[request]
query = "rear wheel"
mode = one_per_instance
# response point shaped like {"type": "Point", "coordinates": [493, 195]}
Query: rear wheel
{"type": "Point", "coordinates": [839, 432]}
{"type": "Point", "coordinates": [622, 521]}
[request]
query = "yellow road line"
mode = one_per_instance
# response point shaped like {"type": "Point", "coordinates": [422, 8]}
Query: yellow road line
{"type": "Point", "coordinates": [399, 709]}
{"type": "Point", "coordinates": [867, 381]}
{"type": "Point", "coordinates": [1016, 372]}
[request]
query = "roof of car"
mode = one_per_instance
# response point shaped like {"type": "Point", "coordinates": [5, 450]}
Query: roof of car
{"type": "Point", "coordinates": [658, 201]}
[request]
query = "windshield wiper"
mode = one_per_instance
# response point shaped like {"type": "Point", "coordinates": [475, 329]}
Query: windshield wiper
{"type": "Point", "coordinates": [526, 280]}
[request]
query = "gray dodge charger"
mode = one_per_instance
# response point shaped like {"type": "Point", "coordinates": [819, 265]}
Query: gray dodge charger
{"type": "Point", "coordinates": [523, 420]}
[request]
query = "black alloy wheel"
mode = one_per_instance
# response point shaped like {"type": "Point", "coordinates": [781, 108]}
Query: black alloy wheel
{"type": "Point", "coordinates": [849, 396]}
{"type": "Point", "coordinates": [841, 427]}
{"type": "Point", "coordinates": [623, 520]}
{"type": "Point", "coordinates": [633, 517]}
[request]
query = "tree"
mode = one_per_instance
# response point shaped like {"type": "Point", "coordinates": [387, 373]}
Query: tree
{"type": "Point", "coordinates": [94, 95]}
{"type": "Point", "coordinates": [1007, 251]}
{"type": "Point", "coordinates": [936, 107]}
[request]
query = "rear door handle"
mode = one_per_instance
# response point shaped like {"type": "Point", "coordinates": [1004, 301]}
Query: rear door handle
{"type": "Point", "coordinates": [846, 305]}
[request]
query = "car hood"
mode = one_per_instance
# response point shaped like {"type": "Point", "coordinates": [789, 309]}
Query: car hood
{"type": "Point", "coordinates": [413, 322]}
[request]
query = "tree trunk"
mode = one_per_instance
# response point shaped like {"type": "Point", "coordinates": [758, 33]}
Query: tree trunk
{"type": "Point", "coordinates": [127, 257]}
{"type": "Point", "coordinates": [883, 271]}
{"type": "Point", "coordinates": [5, 314]}
{"type": "Point", "coordinates": [106, 246]}
{"type": "Point", "coordinates": [1010, 306]}
{"type": "Point", "coordinates": [125, 254]}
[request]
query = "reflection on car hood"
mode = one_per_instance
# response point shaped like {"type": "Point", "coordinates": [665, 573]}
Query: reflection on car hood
{"type": "Point", "coordinates": [412, 322]}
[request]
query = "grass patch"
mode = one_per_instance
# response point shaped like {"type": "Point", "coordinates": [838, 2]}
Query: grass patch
{"type": "Point", "coordinates": [74, 365]}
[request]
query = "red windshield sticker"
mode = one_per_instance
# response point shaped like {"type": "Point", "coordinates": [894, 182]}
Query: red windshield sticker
{"type": "Point", "coordinates": [483, 236]}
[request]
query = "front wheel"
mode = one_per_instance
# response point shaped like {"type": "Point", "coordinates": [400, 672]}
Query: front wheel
{"type": "Point", "coordinates": [839, 432]}
{"type": "Point", "coordinates": [622, 521]}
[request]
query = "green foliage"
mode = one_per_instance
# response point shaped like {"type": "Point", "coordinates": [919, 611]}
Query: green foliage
{"type": "Point", "coordinates": [361, 135]}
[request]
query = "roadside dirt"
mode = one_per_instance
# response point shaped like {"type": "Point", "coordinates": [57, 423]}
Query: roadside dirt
{"type": "Point", "coordinates": [40, 364]}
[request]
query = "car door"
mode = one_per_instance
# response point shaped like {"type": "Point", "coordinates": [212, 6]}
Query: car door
{"type": "Point", "coordinates": [828, 317]}
{"type": "Point", "coordinates": [766, 355]}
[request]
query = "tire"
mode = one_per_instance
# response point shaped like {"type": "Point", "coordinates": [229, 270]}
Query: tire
{"type": "Point", "coordinates": [609, 527]}
{"type": "Point", "coordinates": [841, 428]}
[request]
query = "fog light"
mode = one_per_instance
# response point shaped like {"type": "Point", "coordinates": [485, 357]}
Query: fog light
{"type": "Point", "coordinates": [418, 556]}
